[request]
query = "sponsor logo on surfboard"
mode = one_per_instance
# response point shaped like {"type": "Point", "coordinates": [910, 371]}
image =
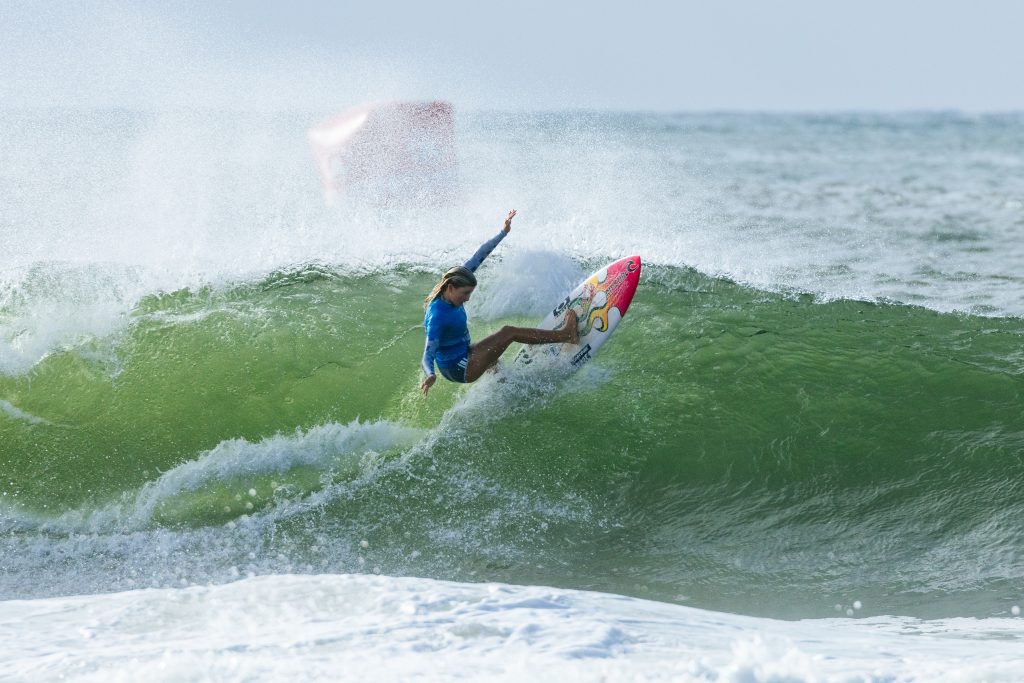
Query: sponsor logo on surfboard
{"type": "Point", "coordinates": [581, 355]}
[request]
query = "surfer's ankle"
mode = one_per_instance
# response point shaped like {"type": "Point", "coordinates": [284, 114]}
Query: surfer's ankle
{"type": "Point", "coordinates": [572, 331]}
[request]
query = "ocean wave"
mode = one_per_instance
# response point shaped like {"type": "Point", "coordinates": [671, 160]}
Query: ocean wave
{"type": "Point", "coordinates": [732, 442]}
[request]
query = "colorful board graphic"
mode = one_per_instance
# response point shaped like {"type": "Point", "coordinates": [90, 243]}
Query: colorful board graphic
{"type": "Point", "coordinates": [600, 302]}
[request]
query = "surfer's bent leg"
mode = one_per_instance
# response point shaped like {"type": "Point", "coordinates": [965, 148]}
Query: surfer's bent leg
{"type": "Point", "coordinates": [486, 352]}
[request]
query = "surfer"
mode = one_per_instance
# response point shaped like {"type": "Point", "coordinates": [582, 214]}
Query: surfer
{"type": "Point", "coordinates": [448, 333]}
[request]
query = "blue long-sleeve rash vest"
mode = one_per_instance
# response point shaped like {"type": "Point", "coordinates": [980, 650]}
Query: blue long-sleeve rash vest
{"type": "Point", "coordinates": [446, 325]}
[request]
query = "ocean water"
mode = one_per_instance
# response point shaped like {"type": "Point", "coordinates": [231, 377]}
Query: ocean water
{"type": "Point", "coordinates": [798, 459]}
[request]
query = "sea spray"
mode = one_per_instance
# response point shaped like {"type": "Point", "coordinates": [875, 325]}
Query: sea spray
{"type": "Point", "coordinates": [813, 401]}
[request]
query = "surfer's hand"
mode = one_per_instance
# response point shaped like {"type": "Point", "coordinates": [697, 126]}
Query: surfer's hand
{"type": "Point", "coordinates": [508, 221]}
{"type": "Point", "coordinates": [427, 383]}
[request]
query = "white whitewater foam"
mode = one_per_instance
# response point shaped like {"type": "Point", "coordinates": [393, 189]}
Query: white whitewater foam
{"type": "Point", "coordinates": [351, 447]}
{"type": "Point", "coordinates": [524, 282]}
{"type": "Point", "coordinates": [321, 446]}
{"type": "Point", "coordinates": [360, 627]}
{"type": "Point", "coordinates": [18, 414]}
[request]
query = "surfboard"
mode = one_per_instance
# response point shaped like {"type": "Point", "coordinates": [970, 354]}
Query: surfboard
{"type": "Point", "coordinates": [600, 302]}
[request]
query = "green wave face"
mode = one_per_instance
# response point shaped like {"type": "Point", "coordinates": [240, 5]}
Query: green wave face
{"type": "Point", "coordinates": [728, 448]}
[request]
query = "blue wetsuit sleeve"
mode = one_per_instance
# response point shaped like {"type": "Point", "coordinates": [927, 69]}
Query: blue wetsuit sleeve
{"type": "Point", "coordinates": [434, 327]}
{"type": "Point", "coordinates": [429, 349]}
{"type": "Point", "coordinates": [484, 251]}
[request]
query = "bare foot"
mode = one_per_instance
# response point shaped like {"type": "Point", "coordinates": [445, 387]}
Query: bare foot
{"type": "Point", "coordinates": [572, 333]}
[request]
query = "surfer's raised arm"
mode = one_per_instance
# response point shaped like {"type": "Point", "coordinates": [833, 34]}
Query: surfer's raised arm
{"type": "Point", "coordinates": [448, 345]}
{"type": "Point", "coordinates": [487, 247]}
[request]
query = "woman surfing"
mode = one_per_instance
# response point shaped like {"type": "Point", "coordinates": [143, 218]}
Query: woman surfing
{"type": "Point", "coordinates": [447, 330]}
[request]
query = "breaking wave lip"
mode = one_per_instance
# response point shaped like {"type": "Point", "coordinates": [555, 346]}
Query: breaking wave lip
{"type": "Point", "coordinates": [50, 306]}
{"type": "Point", "coordinates": [355, 450]}
{"type": "Point", "coordinates": [355, 446]}
{"type": "Point", "coordinates": [55, 305]}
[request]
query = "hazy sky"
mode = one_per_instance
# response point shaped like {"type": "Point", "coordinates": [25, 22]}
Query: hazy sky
{"type": "Point", "coordinates": [792, 55]}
